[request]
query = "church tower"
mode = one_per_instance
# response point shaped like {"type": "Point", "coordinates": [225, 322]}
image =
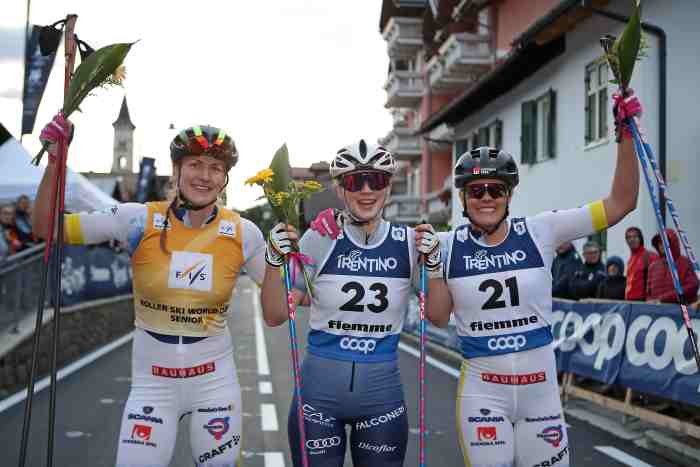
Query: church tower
{"type": "Point", "coordinates": [123, 158]}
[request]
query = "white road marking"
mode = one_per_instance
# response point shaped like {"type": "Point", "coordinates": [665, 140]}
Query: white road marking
{"type": "Point", "coordinates": [430, 360]}
{"type": "Point", "coordinates": [106, 401]}
{"type": "Point", "coordinates": [66, 371]}
{"type": "Point", "coordinates": [268, 417]}
{"type": "Point", "coordinates": [622, 456]}
{"type": "Point", "coordinates": [265, 387]}
{"type": "Point", "coordinates": [260, 346]}
{"type": "Point", "coordinates": [273, 459]}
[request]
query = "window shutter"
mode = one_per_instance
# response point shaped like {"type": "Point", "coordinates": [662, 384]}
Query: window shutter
{"type": "Point", "coordinates": [475, 140]}
{"type": "Point", "coordinates": [460, 147]}
{"type": "Point", "coordinates": [484, 136]}
{"type": "Point", "coordinates": [528, 135]}
{"type": "Point", "coordinates": [552, 123]}
{"type": "Point", "coordinates": [499, 134]}
{"type": "Point", "coordinates": [588, 133]}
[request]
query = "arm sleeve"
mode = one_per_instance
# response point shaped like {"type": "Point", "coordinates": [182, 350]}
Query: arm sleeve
{"type": "Point", "coordinates": [122, 222]}
{"type": "Point", "coordinates": [570, 224]}
{"type": "Point", "coordinates": [253, 250]}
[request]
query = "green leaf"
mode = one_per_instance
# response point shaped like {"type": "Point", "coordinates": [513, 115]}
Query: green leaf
{"type": "Point", "coordinates": [93, 72]}
{"type": "Point", "coordinates": [280, 183]}
{"type": "Point", "coordinates": [626, 47]}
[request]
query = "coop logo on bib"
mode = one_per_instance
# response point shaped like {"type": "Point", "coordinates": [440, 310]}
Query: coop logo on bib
{"type": "Point", "coordinates": [190, 271]}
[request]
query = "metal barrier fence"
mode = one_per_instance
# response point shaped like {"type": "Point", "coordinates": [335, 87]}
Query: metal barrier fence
{"type": "Point", "coordinates": [20, 277]}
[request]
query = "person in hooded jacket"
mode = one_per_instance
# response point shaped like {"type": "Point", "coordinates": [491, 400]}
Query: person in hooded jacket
{"type": "Point", "coordinates": [613, 286]}
{"type": "Point", "coordinates": [564, 265]}
{"type": "Point", "coordinates": [638, 265]}
{"type": "Point", "coordinates": [660, 286]}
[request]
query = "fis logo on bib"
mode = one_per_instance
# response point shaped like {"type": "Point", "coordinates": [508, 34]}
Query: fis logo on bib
{"type": "Point", "coordinates": [359, 345]}
{"type": "Point", "coordinates": [483, 261]}
{"type": "Point", "coordinates": [227, 229]}
{"type": "Point", "coordinates": [190, 271]}
{"type": "Point", "coordinates": [355, 262]}
{"type": "Point", "coordinates": [398, 234]}
{"type": "Point", "coordinates": [507, 342]}
{"type": "Point", "coordinates": [159, 222]}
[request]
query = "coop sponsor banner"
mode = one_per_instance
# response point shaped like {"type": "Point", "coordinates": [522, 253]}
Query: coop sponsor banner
{"type": "Point", "coordinates": [93, 272]}
{"type": "Point", "coordinates": [636, 345]}
{"type": "Point", "coordinates": [640, 346]}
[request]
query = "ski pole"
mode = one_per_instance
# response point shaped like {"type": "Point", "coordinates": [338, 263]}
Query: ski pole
{"type": "Point", "coordinates": [421, 371]}
{"type": "Point", "coordinates": [682, 300]}
{"type": "Point", "coordinates": [70, 47]}
{"type": "Point", "coordinates": [291, 310]}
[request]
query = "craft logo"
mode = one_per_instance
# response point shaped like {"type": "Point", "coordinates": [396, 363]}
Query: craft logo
{"type": "Point", "coordinates": [552, 434]}
{"type": "Point", "coordinates": [227, 229]}
{"type": "Point", "coordinates": [486, 433]}
{"type": "Point", "coordinates": [355, 262]}
{"type": "Point", "coordinates": [398, 234]}
{"type": "Point", "coordinates": [217, 427]}
{"type": "Point", "coordinates": [141, 432]}
{"type": "Point", "coordinates": [190, 271]}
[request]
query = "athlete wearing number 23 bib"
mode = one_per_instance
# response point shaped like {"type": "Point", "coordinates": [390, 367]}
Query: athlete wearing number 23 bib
{"type": "Point", "coordinates": [498, 285]}
{"type": "Point", "coordinates": [362, 277]}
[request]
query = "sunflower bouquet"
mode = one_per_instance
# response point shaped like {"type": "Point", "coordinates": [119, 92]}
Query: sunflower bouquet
{"type": "Point", "coordinates": [284, 196]}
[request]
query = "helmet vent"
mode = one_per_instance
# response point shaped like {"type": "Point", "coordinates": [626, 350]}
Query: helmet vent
{"type": "Point", "coordinates": [363, 148]}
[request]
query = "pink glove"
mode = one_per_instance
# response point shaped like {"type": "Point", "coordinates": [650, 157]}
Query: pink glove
{"type": "Point", "coordinates": [328, 223]}
{"type": "Point", "coordinates": [56, 131]}
{"type": "Point", "coordinates": [624, 108]}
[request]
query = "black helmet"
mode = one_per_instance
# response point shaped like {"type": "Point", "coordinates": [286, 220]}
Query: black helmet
{"type": "Point", "coordinates": [486, 162]}
{"type": "Point", "coordinates": [206, 140]}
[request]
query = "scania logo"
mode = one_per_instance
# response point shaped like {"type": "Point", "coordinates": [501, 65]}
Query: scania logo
{"type": "Point", "coordinates": [486, 419]}
{"type": "Point", "coordinates": [361, 345]}
{"type": "Point", "coordinates": [506, 343]}
{"type": "Point", "coordinates": [145, 418]}
{"type": "Point", "coordinates": [323, 443]}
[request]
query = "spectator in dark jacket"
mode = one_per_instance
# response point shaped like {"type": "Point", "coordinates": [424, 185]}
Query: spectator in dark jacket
{"type": "Point", "coordinates": [23, 220]}
{"type": "Point", "coordinates": [660, 288]}
{"type": "Point", "coordinates": [638, 265]}
{"type": "Point", "coordinates": [613, 286]}
{"type": "Point", "coordinates": [9, 229]}
{"type": "Point", "coordinates": [584, 283]}
{"type": "Point", "coordinates": [564, 265]}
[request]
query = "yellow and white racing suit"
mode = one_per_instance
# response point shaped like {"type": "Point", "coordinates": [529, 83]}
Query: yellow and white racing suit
{"type": "Point", "coordinates": [182, 350]}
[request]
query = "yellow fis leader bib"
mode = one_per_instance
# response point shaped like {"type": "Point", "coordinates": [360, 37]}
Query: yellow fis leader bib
{"type": "Point", "coordinates": [186, 292]}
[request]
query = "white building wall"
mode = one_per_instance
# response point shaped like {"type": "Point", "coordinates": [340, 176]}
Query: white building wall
{"type": "Point", "coordinates": [579, 174]}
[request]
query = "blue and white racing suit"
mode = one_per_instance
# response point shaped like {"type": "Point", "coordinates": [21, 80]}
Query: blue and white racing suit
{"type": "Point", "coordinates": [350, 375]}
{"type": "Point", "coordinates": [508, 408]}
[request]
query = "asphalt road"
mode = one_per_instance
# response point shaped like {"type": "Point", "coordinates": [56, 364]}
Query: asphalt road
{"type": "Point", "coordinates": [91, 400]}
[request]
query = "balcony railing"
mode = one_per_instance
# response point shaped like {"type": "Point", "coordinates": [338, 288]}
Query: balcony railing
{"type": "Point", "coordinates": [403, 88]}
{"type": "Point", "coordinates": [461, 60]}
{"type": "Point", "coordinates": [404, 36]}
{"type": "Point", "coordinates": [403, 209]}
{"type": "Point", "coordinates": [402, 143]}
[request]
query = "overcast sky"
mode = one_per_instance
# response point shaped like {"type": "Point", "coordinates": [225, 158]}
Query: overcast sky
{"type": "Point", "coordinates": [306, 72]}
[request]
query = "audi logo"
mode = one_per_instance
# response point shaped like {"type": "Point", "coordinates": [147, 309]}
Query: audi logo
{"type": "Point", "coordinates": [361, 345]}
{"type": "Point", "coordinates": [509, 342]}
{"type": "Point", "coordinates": [323, 443]}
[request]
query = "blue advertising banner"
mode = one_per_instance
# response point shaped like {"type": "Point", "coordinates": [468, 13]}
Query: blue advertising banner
{"type": "Point", "coordinates": [37, 69]}
{"type": "Point", "coordinates": [641, 346]}
{"type": "Point", "coordinates": [93, 272]}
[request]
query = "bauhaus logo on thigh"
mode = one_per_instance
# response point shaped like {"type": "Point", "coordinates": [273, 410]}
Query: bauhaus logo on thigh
{"type": "Point", "coordinates": [359, 345]}
{"type": "Point", "coordinates": [515, 343]}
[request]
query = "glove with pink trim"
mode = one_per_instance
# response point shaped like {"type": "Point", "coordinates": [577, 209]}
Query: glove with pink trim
{"type": "Point", "coordinates": [624, 108]}
{"type": "Point", "coordinates": [57, 130]}
{"type": "Point", "coordinates": [328, 223]}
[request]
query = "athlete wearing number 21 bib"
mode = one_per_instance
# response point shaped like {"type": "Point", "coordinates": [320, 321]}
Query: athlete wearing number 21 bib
{"type": "Point", "coordinates": [362, 276]}
{"type": "Point", "coordinates": [498, 285]}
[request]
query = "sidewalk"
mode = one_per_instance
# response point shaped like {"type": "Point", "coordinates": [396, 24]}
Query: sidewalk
{"type": "Point", "coordinates": [682, 450]}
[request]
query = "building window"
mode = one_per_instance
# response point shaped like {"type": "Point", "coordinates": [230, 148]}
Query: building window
{"type": "Point", "coordinates": [458, 149]}
{"type": "Point", "coordinates": [495, 138]}
{"type": "Point", "coordinates": [538, 138]}
{"type": "Point", "coordinates": [596, 102]}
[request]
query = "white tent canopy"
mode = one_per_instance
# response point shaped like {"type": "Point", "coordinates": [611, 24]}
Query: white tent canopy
{"type": "Point", "coordinates": [18, 176]}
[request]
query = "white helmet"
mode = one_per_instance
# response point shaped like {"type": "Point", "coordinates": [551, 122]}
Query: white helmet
{"type": "Point", "coordinates": [362, 156]}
